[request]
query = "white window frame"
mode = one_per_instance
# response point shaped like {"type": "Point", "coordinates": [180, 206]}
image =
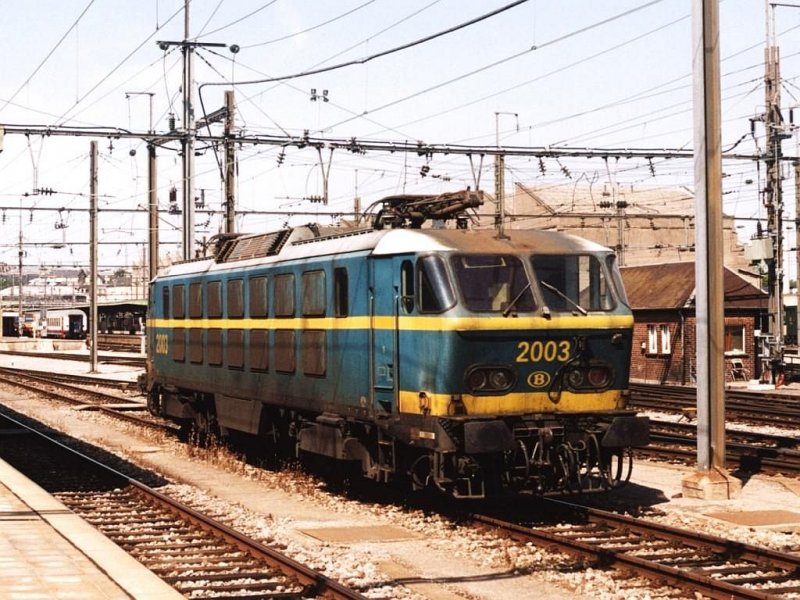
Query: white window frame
{"type": "Point", "coordinates": [652, 339]}
{"type": "Point", "coordinates": [665, 339]}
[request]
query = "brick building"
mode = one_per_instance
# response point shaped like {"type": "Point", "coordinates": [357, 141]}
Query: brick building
{"type": "Point", "coordinates": [664, 343]}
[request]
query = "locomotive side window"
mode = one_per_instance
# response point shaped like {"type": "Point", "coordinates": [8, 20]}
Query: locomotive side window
{"type": "Point", "coordinates": [214, 292]}
{"type": "Point", "coordinates": [165, 301]}
{"type": "Point", "coordinates": [177, 302]}
{"type": "Point", "coordinates": [407, 286]}
{"type": "Point", "coordinates": [575, 282]}
{"type": "Point", "coordinates": [493, 282]}
{"type": "Point", "coordinates": [215, 346]}
{"type": "Point", "coordinates": [314, 294]}
{"type": "Point", "coordinates": [616, 278]}
{"type": "Point", "coordinates": [258, 297]}
{"type": "Point", "coordinates": [196, 345]}
{"type": "Point", "coordinates": [284, 295]}
{"type": "Point", "coordinates": [178, 344]}
{"type": "Point", "coordinates": [314, 342]}
{"type": "Point", "coordinates": [435, 293]}
{"type": "Point", "coordinates": [341, 305]}
{"type": "Point", "coordinates": [259, 350]}
{"type": "Point", "coordinates": [235, 294]}
{"type": "Point", "coordinates": [196, 300]}
{"type": "Point", "coordinates": [284, 350]}
{"type": "Point", "coordinates": [235, 348]}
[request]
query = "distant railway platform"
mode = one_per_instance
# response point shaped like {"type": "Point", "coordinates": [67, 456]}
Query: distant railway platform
{"type": "Point", "coordinates": [15, 357]}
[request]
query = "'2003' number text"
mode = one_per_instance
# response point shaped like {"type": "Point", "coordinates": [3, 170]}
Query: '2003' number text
{"type": "Point", "coordinates": [549, 351]}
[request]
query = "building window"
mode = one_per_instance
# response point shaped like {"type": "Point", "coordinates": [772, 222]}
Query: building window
{"type": "Point", "coordinates": [665, 343]}
{"type": "Point", "coordinates": [658, 339]}
{"type": "Point", "coordinates": [734, 339]}
{"type": "Point", "coordinates": [652, 339]}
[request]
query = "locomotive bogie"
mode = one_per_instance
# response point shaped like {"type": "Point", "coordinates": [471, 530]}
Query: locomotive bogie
{"type": "Point", "coordinates": [444, 358]}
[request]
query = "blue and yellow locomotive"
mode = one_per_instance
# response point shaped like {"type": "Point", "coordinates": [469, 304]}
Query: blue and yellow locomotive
{"type": "Point", "coordinates": [452, 358]}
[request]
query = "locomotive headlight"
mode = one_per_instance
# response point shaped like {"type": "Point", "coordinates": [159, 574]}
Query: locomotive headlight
{"type": "Point", "coordinates": [599, 376]}
{"type": "Point", "coordinates": [499, 379]}
{"type": "Point", "coordinates": [490, 379]}
{"type": "Point", "coordinates": [575, 378]}
{"type": "Point", "coordinates": [477, 379]}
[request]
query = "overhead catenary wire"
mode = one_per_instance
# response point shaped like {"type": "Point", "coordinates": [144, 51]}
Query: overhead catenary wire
{"type": "Point", "coordinates": [49, 54]}
{"type": "Point", "coordinates": [366, 59]}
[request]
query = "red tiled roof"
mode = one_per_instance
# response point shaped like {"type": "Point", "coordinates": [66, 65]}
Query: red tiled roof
{"type": "Point", "coordinates": [672, 285]}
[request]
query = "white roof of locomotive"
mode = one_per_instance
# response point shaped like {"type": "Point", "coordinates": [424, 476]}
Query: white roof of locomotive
{"type": "Point", "coordinates": [303, 243]}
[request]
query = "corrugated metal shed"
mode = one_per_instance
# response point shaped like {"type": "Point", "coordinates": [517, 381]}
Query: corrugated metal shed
{"type": "Point", "coordinates": [672, 285]}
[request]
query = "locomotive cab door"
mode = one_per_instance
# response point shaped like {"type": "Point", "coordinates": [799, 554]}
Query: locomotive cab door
{"type": "Point", "coordinates": [384, 370]}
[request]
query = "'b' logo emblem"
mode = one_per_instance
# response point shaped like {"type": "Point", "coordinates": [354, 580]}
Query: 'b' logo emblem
{"type": "Point", "coordinates": [538, 379]}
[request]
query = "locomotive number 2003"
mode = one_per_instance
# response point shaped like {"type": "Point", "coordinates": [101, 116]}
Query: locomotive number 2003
{"type": "Point", "coordinates": [162, 343]}
{"type": "Point", "coordinates": [549, 351]}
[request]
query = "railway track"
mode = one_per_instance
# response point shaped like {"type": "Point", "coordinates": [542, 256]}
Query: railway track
{"type": "Point", "coordinates": [198, 556]}
{"type": "Point", "coordinates": [85, 395]}
{"type": "Point", "coordinates": [748, 451]}
{"type": "Point", "coordinates": [699, 564]}
{"type": "Point", "coordinates": [133, 361]}
{"type": "Point", "coordinates": [759, 408]}
{"type": "Point", "coordinates": [116, 342]}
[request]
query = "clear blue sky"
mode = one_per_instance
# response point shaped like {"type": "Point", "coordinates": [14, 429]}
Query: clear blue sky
{"type": "Point", "coordinates": [577, 73]}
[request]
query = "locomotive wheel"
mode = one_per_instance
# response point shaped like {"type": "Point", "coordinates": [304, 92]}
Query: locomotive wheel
{"type": "Point", "coordinates": [614, 463]}
{"type": "Point", "coordinates": [204, 430]}
{"type": "Point", "coordinates": [517, 468]}
{"type": "Point", "coordinates": [420, 472]}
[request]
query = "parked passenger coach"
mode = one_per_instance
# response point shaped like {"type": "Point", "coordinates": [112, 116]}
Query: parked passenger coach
{"type": "Point", "coordinates": [446, 357]}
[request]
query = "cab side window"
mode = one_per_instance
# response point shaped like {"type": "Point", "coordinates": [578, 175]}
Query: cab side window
{"type": "Point", "coordinates": [435, 293]}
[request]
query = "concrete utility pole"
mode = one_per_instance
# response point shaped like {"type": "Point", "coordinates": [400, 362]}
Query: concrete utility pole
{"type": "Point", "coordinates": [187, 143]}
{"type": "Point", "coordinates": [152, 184]}
{"type": "Point", "coordinates": [152, 211]}
{"type": "Point", "coordinates": [773, 192]}
{"type": "Point", "coordinates": [710, 481]}
{"type": "Point", "coordinates": [189, 134]}
{"type": "Point", "coordinates": [500, 177]}
{"type": "Point", "coordinates": [797, 241]}
{"type": "Point", "coordinates": [93, 254]}
{"type": "Point", "coordinates": [21, 253]}
{"type": "Point", "coordinates": [230, 164]}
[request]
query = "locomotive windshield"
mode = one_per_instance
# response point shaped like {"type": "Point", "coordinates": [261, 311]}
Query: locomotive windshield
{"type": "Point", "coordinates": [493, 282]}
{"type": "Point", "coordinates": [573, 283]}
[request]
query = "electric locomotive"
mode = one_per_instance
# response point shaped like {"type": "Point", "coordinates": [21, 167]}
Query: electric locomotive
{"type": "Point", "coordinates": [451, 358]}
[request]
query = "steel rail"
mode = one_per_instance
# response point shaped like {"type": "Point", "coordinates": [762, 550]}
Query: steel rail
{"type": "Point", "coordinates": [315, 582]}
{"type": "Point", "coordinates": [683, 578]}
